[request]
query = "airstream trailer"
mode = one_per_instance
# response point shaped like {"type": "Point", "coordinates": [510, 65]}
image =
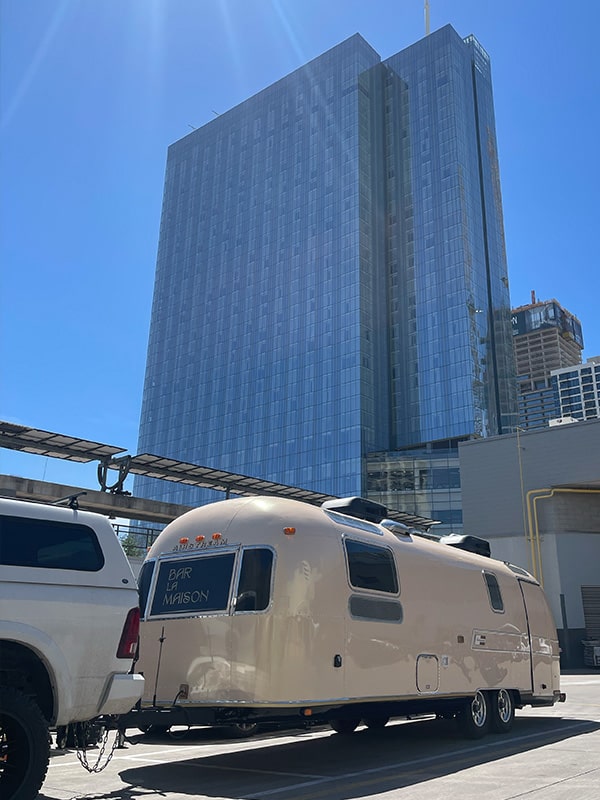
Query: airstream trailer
{"type": "Point", "coordinates": [270, 609]}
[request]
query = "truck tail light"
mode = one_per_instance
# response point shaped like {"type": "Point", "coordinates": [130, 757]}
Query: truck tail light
{"type": "Point", "coordinates": [129, 636]}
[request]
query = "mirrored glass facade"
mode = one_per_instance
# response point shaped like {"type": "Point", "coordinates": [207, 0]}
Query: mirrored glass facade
{"type": "Point", "coordinates": [331, 278]}
{"type": "Point", "coordinates": [451, 345]}
{"type": "Point", "coordinates": [424, 481]}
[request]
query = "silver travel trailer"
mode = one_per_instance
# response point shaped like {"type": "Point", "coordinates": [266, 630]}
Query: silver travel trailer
{"type": "Point", "coordinates": [267, 609]}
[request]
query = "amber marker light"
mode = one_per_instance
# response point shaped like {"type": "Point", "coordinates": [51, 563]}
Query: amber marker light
{"type": "Point", "coordinates": [289, 531]}
{"type": "Point", "coordinates": [199, 538]}
{"type": "Point", "coordinates": [216, 536]}
{"type": "Point", "coordinates": [184, 540]}
{"type": "Point", "coordinates": [307, 712]}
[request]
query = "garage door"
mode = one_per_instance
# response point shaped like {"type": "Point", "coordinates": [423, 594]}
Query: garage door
{"type": "Point", "coordinates": [590, 597]}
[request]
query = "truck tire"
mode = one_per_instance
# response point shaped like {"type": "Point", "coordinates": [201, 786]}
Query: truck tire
{"type": "Point", "coordinates": [24, 746]}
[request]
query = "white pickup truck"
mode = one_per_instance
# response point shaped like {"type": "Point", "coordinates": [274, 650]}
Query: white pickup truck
{"type": "Point", "coordinates": [69, 621]}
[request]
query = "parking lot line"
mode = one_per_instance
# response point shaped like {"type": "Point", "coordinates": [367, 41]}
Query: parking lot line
{"type": "Point", "coordinates": [419, 762]}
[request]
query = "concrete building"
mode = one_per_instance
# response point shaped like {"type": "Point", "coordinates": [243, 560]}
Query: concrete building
{"type": "Point", "coordinates": [331, 278]}
{"type": "Point", "coordinates": [546, 337]}
{"type": "Point", "coordinates": [577, 390]}
{"type": "Point", "coordinates": [535, 496]}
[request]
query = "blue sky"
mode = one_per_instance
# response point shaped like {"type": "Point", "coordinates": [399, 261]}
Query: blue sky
{"type": "Point", "coordinates": [92, 92]}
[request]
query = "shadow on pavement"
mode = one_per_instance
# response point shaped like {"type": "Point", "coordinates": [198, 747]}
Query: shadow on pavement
{"type": "Point", "coordinates": [366, 763]}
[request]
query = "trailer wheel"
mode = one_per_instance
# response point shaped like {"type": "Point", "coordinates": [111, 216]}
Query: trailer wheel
{"type": "Point", "coordinates": [502, 711]}
{"type": "Point", "coordinates": [24, 746]}
{"type": "Point", "coordinates": [345, 726]}
{"type": "Point", "coordinates": [241, 730]}
{"type": "Point", "coordinates": [376, 723]}
{"type": "Point", "coordinates": [474, 717]}
{"type": "Point", "coordinates": [155, 730]}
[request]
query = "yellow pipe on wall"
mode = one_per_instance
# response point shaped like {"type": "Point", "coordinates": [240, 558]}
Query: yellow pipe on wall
{"type": "Point", "coordinates": [534, 531]}
{"type": "Point", "coordinates": [530, 535]}
{"type": "Point", "coordinates": [540, 577]}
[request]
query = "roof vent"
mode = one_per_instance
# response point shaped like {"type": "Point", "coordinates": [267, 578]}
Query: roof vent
{"type": "Point", "coordinates": [472, 544]}
{"type": "Point", "coordinates": [358, 507]}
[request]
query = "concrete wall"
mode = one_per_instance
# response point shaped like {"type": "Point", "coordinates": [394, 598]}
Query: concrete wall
{"type": "Point", "coordinates": [492, 491]}
{"type": "Point", "coordinates": [496, 476]}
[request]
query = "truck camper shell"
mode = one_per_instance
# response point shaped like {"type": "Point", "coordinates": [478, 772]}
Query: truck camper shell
{"type": "Point", "coordinates": [265, 609]}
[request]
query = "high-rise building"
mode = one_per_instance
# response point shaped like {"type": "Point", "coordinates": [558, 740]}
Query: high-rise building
{"type": "Point", "coordinates": [546, 337]}
{"type": "Point", "coordinates": [577, 390]}
{"type": "Point", "coordinates": [331, 278]}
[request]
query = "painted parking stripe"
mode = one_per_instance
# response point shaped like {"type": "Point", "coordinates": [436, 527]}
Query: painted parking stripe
{"type": "Point", "coordinates": [448, 754]}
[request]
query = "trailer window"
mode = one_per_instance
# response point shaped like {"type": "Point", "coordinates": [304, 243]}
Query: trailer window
{"type": "Point", "coordinates": [371, 567]}
{"type": "Point", "coordinates": [518, 570]}
{"type": "Point", "coordinates": [193, 585]}
{"type": "Point", "coordinates": [144, 581]}
{"type": "Point", "coordinates": [495, 595]}
{"type": "Point", "coordinates": [353, 522]}
{"type": "Point", "coordinates": [254, 586]}
{"type": "Point", "coordinates": [27, 542]}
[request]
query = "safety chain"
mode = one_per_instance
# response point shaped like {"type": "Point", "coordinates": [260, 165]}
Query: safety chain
{"type": "Point", "coordinates": [80, 728]}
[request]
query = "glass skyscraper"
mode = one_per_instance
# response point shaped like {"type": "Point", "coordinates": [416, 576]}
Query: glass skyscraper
{"type": "Point", "coordinates": [331, 278]}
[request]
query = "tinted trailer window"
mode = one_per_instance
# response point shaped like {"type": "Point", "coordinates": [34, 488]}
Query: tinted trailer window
{"type": "Point", "coordinates": [196, 585]}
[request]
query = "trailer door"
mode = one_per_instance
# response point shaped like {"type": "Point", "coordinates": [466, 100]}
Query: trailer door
{"type": "Point", "coordinates": [543, 640]}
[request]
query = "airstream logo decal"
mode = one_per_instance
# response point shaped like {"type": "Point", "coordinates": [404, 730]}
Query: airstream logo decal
{"type": "Point", "coordinates": [211, 544]}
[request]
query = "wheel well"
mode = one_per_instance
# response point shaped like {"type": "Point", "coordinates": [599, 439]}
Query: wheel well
{"type": "Point", "coordinates": [22, 668]}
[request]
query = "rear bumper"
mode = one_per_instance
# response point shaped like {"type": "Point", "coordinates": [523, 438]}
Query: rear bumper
{"type": "Point", "coordinates": [543, 700]}
{"type": "Point", "coordinates": [122, 692]}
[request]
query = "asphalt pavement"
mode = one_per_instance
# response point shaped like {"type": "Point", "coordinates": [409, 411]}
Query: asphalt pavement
{"type": "Point", "coordinates": [550, 754]}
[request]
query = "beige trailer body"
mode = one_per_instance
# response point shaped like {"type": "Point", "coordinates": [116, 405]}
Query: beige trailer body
{"type": "Point", "coordinates": [268, 603]}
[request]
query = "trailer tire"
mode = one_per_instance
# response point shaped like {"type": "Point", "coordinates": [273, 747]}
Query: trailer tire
{"type": "Point", "coordinates": [502, 711]}
{"type": "Point", "coordinates": [24, 746]}
{"type": "Point", "coordinates": [376, 723]}
{"type": "Point", "coordinates": [474, 717]}
{"type": "Point", "coordinates": [241, 730]}
{"type": "Point", "coordinates": [155, 730]}
{"type": "Point", "coordinates": [345, 726]}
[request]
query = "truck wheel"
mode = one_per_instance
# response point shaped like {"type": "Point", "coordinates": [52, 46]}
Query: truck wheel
{"type": "Point", "coordinates": [24, 746]}
{"type": "Point", "coordinates": [502, 711]}
{"type": "Point", "coordinates": [474, 717]}
{"type": "Point", "coordinates": [345, 726]}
